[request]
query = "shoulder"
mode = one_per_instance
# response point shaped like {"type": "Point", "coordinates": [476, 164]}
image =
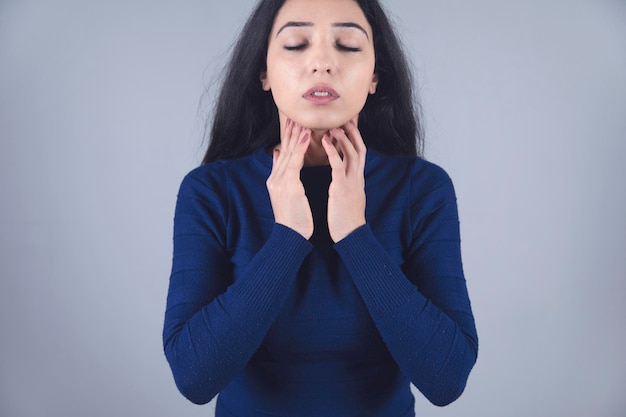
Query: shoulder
{"type": "Point", "coordinates": [203, 180]}
{"type": "Point", "coordinates": [219, 176]}
{"type": "Point", "coordinates": [431, 198]}
{"type": "Point", "coordinates": [423, 177]}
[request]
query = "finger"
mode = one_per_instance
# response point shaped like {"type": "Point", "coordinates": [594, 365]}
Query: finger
{"type": "Point", "coordinates": [303, 143]}
{"type": "Point", "coordinates": [355, 137]}
{"type": "Point", "coordinates": [277, 165]}
{"type": "Point", "coordinates": [296, 157]}
{"type": "Point", "coordinates": [350, 155]}
{"type": "Point", "coordinates": [286, 143]}
{"type": "Point", "coordinates": [296, 134]}
{"type": "Point", "coordinates": [275, 157]}
{"type": "Point", "coordinates": [287, 132]}
{"type": "Point", "coordinates": [335, 161]}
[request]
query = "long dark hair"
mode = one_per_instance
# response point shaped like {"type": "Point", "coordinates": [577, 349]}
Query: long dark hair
{"type": "Point", "coordinates": [246, 118]}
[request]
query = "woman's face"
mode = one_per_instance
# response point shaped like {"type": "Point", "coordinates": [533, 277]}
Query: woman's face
{"type": "Point", "coordinates": [320, 62]}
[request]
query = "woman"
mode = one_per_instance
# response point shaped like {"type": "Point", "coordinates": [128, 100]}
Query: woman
{"type": "Point", "coordinates": [317, 267]}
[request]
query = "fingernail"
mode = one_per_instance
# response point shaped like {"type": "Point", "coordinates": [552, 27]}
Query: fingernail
{"type": "Point", "coordinates": [305, 138]}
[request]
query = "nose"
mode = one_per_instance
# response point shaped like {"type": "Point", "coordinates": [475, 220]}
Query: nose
{"type": "Point", "coordinates": [322, 61]}
{"type": "Point", "coordinates": [322, 67]}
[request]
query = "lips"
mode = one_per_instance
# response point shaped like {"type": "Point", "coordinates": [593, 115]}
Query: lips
{"type": "Point", "coordinates": [321, 94]}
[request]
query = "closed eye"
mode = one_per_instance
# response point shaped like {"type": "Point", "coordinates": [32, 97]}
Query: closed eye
{"type": "Point", "coordinates": [339, 46]}
{"type": "Point", "coordinates": [295, 47]}
{"type": "Point", "coordinates": [348, 48]}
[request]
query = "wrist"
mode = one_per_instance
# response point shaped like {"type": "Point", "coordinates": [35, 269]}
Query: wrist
{"type": "Point", "coordinates": [339, 236]}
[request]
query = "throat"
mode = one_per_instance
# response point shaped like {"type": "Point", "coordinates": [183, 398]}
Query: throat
{"type": "Point", "coordinates": [315, 157]}
{"type": "Point", "coordinates": [315, 154]}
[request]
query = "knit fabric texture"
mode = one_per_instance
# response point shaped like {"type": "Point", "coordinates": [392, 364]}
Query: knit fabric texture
{"type": "Point", "coordinates": [281, 326]}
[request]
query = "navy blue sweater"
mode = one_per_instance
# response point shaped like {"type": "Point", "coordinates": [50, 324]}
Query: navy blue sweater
{"type": "Point", "coordinates": [278, 325]}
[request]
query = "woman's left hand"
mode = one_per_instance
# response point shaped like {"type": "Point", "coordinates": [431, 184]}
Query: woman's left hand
{"type": "Point", "coordinates": [346, 194]}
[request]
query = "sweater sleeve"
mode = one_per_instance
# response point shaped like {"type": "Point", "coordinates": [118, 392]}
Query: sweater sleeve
{"type": "Point", "coordinates": [421, 309]}
{"type": "Point", "coordinates": [213, 323]}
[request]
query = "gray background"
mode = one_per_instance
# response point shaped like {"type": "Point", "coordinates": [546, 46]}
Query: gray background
{"type": "Point", "coordinates": [525, 106]}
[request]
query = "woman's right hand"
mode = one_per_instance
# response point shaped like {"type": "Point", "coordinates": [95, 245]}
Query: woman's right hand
{"type": "Point", "coordinates": [289, 202]}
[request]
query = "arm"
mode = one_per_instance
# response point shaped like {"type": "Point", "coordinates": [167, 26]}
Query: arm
{"type": "Point", "coordinates": [422, 311]}
{"type": "Point", "coordinates": [212, 325]}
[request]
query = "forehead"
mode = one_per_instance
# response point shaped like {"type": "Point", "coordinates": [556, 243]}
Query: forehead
{"type": "Point", "coordinates": [321, 12]}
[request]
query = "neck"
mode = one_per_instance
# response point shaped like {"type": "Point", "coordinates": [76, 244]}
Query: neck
{"type": "Point", "coordinates": [316, 155]}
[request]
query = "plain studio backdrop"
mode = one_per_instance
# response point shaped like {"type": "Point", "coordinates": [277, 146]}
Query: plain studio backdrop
{"type": "Point", "coordinates": [101, 115]}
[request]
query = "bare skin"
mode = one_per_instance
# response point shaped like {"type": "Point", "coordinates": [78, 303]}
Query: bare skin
{"type": "Point", "coordinates": [346, 193]}
{"type": "Point", "coordinates": [320, 70]}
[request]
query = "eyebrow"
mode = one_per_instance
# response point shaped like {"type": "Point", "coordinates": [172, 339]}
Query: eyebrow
{"type": "Point", "coordinates": [335, 25]}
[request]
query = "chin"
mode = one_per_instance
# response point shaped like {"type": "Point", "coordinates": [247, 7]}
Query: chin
{"type": "Point", "coordinates": [317, 125]}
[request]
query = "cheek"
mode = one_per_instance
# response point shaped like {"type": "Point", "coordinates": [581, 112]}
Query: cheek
{"type": "Point", "coordinates": [361, 76]}
{"type": "Point", "coordinates": [361, 86]}
{"type": "Point", "coordinates": [280, 90]}
{"type": "Point", "coordinates": [284, 87]}
{"type": "Point", "coordinates": [276, 72]}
